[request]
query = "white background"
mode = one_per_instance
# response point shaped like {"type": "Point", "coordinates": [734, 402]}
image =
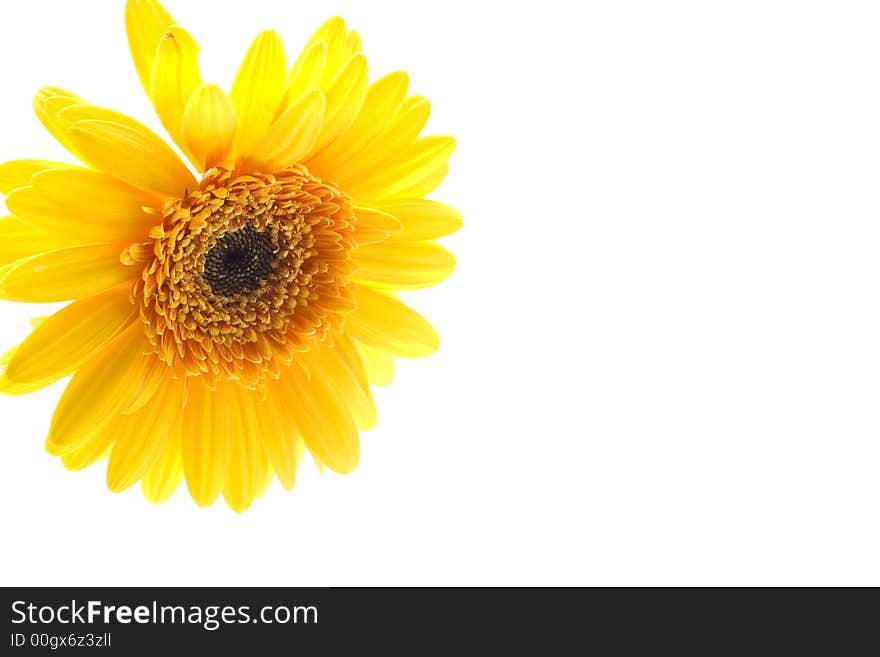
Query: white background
{"type": "Point", "coordinates": [661, 348]}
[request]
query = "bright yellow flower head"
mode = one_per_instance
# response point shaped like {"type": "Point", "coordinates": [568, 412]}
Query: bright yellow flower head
{"type": "Point", "coordinates": [225, 322]}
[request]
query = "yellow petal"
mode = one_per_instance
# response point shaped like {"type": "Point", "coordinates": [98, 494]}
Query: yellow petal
{"type": "Point", "coordinates": [65, 274]}
{"type": "Point", "coordinates": [175, 77]}
{"type": "Point", "coordinates": [98, 390]}
{"type": "Point", "coordinates": [381, 104]}
{"type": "Point", "coordinates": [35, 210]}
{"type": "Point", "coordinates": [258, 90]}
{"type": "Point", "coordinates": [379, 365]}
{"type": "Point", "coordinates": [324, 422]}
{"type": "Point", "coordinates": [20, 240]}
{"type": "Point", "coordinates": [420, 188]}
{"type": "Point", "coordinates": [209, 125]}
{"type": "Point", "coordinates": [146, 381]}
{"type": "Point", "coordinates": [345, 96]}
{"type": "Point", "coordinates": [291, 136]}
{"type": "Point", "coordinates": [244, 464]}
{"type": "Point", "coordinates": [7, 356]}
{"type": "Point", "coordinates": [266, 475]}
{"type": "Point", "coordinates": [364, 235]}
{"type": "Point", "coordinates": [373, 219]}
{"type": "Point", "coordinates": [69, 337]}
{"type": "Point", "coordinates": [48, 102]}
{"type": "Point", "coordinates": [67, 111]}
{"type": "Point", "coordinates": [278, 434]}
{"type": "Point", "coordinates": [17, 173]}
{"type": "Point", "coordinates": [146, 22]}
{"type": "Point", "coordinates": [89, 205]}
{"type": "Point", "coordinates": [421, 219]}
{"type": "Point", "coordinates": [385, 323]}
{"type": "Point", "coordinates": [353, 45]}
{"type": "Point", "coordinates": [141, 438]}
{"type": "Point", "coordinates": [165, 475]}
{"type": "Point", "coordinates": [205, 440]}
{"type": "Point", "coordinates": [394, 139]}
{"type": "Point", "coordinates": [334, 34]}
{"type": "Point", "coordinates": [68, 115]}
{"type": "Point", "coordinates": [12, 388]}
{"type": "Point", "coordinates": [110, 200]}
{"type": "Point", "coordinates": [307, 72]}
{"type": "Point", "coordinates": [373, 225]}
{"type": "Point", "coordinates": [404, 265]}
{"type": "Point", "coordinates": [138, 157]}
{"type": "Point", "coordinates": [325, 363]}
{"type": "Point", "coordinates": [353, 359]}
{"type": "Point", "coordinates": [95, 448]}
{"type": "Point", "coordinates": [425, 156]}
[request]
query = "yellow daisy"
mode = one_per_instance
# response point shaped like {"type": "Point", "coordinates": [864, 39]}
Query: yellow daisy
{"type": "Point", "coordinates": [232, 312]}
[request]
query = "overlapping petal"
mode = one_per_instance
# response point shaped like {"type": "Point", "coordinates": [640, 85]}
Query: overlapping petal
{"type": "Point", "coordinates": [140, 438]}
{"type": "Point", "coordinates": [19, 240]}
{"type": "Point", "coordinates": [246, 463]}
{"type": "Point", "coordinates": [283, 445]}
{"type": "Point", "coordinates": [17, 173]}
{"type": "Point", "coordinates": [71, 273]}
{"type": "Point", "coordinates": [61, 343]}
{"type": "Point", "coordinates": [420, 219]}
{"type": "Point", "coordinates": [385, 323]}
{"type": "Point", "coordinates": [174, 78]}
{"type": "Point", "coordinates": [146, 22]}
{"type": "Point", "coordinates": [208, 126]}
{"type": "Point", "coordinates": [291, 136]}
{"type": "Point", "coordinates": [136, 156]}
{"type": "Point", "coordinates": [205, 437]}
{"type": "Point", "coordinates": [381, 103]}
{"type": "Point", "coordinates": [98, 391]}
{"type": "Point", "coordinates": [404, 265]}
{"type": "Point", "coordinates": [257, 91]}
{"type": "Point", "coordinates": [166, 473]}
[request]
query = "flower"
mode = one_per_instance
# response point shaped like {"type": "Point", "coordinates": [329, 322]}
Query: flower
{"type": "Point", "coordinates": [224, 323]}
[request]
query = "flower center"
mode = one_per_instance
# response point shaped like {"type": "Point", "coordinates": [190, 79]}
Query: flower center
{"type": "Point", "coordinates": [245, 272]}
{"type": "Point", "coordinates": [238, 262]}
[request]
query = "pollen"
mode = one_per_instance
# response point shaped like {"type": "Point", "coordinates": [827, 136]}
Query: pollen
{"type": "Point", "coordinates": [239, 262]}
{"type": "Point", "coordinates": [246, 272]}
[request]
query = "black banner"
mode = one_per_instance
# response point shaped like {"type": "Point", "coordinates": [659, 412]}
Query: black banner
{"type": "Point", "coordinates": [418, 620]}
